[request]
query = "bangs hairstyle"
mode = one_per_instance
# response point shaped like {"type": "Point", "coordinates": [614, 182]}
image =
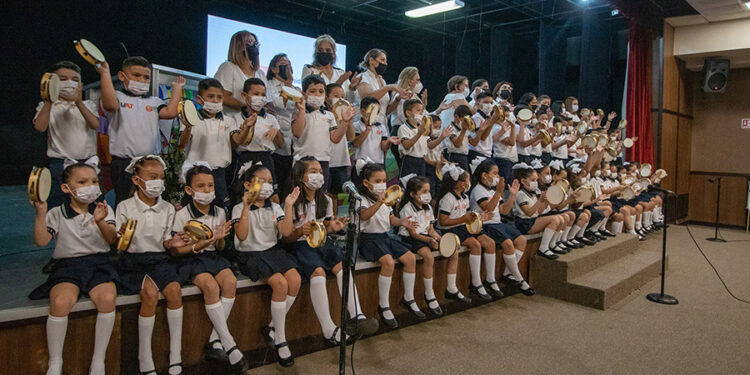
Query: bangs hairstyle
{"type": "Point", "coordinates": [520, 174]}
{"type": "Point", "coordinates": [483, 94]}
{"type": "Point", "coordinates": [411, 103]}
{"type": "Point", "coordinates": [526, 98]}
{"type": "Point", "coordinates": [463, 110]}
{"type": "Point", "coordinates": [273, 63]}
{"type": "Point", "coordinates": [250, 82]}
{"type": "Point", "coordinates": [435, 118]}
{"type": "Point", "coordinates": [496, 90]}
{"type": "Point", "coordinates": [138, 167]}
{"type": "Point", "coordinates": [321, 39]}
{"type": "Point", "coordinates": [298, 175]}
{"type": "Point", "coordinates": [192, 172]}
{"type": "Point", "coordinates": [136, 61]}
{"type": "Point", "coordinates": [68, 171]}
{"type": "Point", "coordinates": [312, 79]}
{"type": "Point", "coordinates": [366, 101]}
{"type": "Point", "coordinates": [371, 54]}
{"type": "Point", "coordinates": [238, 49]}
{"type": "Point", "coordinates": [207, 83]}
{"type": "Point", "coordinates": [413, 186]}
{"type": "Point", "coordinates": [455, 81]}
{"type": "Point", "coordinates": [484, 167]}
{"type": "Point", "coordinates": [406, 75]}
{"type": "Point", "coordinates": [367, 171]}
{"type": "Point", "coordinates": [447, 185]}
{"type": "Point", "coordinates": [477, 83]}
{"type": "Point", "coordinates": [238, 190]}
{"type": "Point", "coordinates": [569, 103]}
{"type": "Point", "coordinates": [331, 86]}
{"type": "Point", "coordinates": [64, 64]}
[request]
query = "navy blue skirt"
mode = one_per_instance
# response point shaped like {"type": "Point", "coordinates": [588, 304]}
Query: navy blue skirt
{"type": "Point", "coordinates": [134, 267]}
{"type": "Point", "coordinates": [461, 231]}
{"type": "Point", "coordinates": [339, 175]}
{"type": "Point", "coordinates": [434, 181]}
{"type": "Point", "coordinates": [192, 265]}
{"type": "Point", "coordinates": [596, 215]}
{"type": "Point", "coordinates": [416, 244]}
{"type": "Point", "coordinates": [546, 158]}
{"type": "Point", "coordinates": [374, 246]}
{"type": "Point", "coordinates": [85, 272]}
{"type": "Point", "coordinates": [500, 232]}
{"type": "Point", "coordinates": [524, 225]}
{"type": "Point", "coordinates": [412, 164]}
{"type": "Point", "coordinates": [260, 265]}
{"type": "Point", "coordinates": [310, 258]}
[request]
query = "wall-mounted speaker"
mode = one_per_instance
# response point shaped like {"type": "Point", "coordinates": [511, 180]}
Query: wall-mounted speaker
{"type": "Point", "coordinates": [715, 75]}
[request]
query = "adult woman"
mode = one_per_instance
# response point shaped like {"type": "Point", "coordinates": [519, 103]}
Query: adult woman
{"type": "Point", "coordinates": [571, 104]}
{"type": "Point", "coordinates": [279, 76]}
{"type": "Point", "coordinates": [242, 64]}
{"type": "Point", "coordinates": [322, 65]}
{"type": "Point", "coordinates": [373, 65]}
{"type": "Point", "coordinates": [408, 80]}
{"type": "Point", "coordinates": [503, 93]}
{"type": "Point", "coordinates": [458, 91]}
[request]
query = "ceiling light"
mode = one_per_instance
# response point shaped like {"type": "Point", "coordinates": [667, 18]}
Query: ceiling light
{"type": "Point", "coordinates": [444, 6]}
{"type": "Point", "coordinates": [747, 4]}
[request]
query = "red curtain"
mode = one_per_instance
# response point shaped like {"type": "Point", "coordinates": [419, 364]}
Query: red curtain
{"type": "Point", "coordinates": [638, 96]}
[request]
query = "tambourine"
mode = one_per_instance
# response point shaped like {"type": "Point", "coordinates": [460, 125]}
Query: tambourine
{"type": "Point", "coordinates": [660, 173]}
{"type": "Point", "coordinates": [582, 127]}
{"type": "Point", "coordinates": [340, 107]}
{"type": "Point", "coordinates": [393, 195]}
{"type": "Point", "coordinates": [627, 194]}
{"type": "Point", "coordinates": [602, 140]}
{"type": "Point", "coordinates": [250, 132]}
{"type": "Point", "coordinates": [89, 52]}
{"type": "Point", "coordinates": [556, 194]}
{"type": "Point", "coordinates": [439, 173]}
{"type": "Point", "coordinates": [600, 112]}
{"type": "Point", "coordinates": [546, 138]}
{"type": "Point", "coordinates": [623, 123]}
{"type": "Point", "coordinates": [254, 189]}
{"type": "Point", "coordinates": [628, 142]}
{"type": "Point", "coordinates": [642, 184]}
{"type": "Point", "coordinates": [629, 180]}
{"type": "Point", "coordinates": [188, 113]}
{"type": "Point", "coordinates": [449, 244]}
{"type": "Point", "coordinates": [590, 141]}
{"type": "Point", "coordinates": [645, 170]}
{"type": "Point", "coordinates": [290, 93]}
{"type": "Point", "coordinates": [317, 236]}
{"type": "Point", "coordinates": [40, 182]}
{"type": "Point", "coordinates": [197, 230]}
{"type": "Point", "coordinates": [475, 225]}
{"type": "Point", "coordinates": [498, 114]}
{"type": "Point", "coordinates": [427, 123]}
{"type": "Point", "coordinates": [559, 127]}
{"type": "Point", "coordinates": [371, 114]}
{"type": "Point", "coordinates": [585, 112]}
{"type": "Point", "coordinates": [525, 114]}
{"type": "Point", "coordinates": [468, 123]}
{"type": "Point", "coordinates": [49, 88]}
{"type": "Point", "coordinates": [584, 193]}
{"type": "Point", "coordinates": [127, 236]}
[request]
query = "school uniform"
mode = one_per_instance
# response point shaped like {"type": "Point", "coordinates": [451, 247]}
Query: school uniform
{"type": "Point", "coordinates": [376, 82]}
{"type": "Point", "coordinates": [422, 214]}
{"type": "Point", "coordinates": [339, 165]}
{"type": "Point", "coordinates": [460, 154]}
{"type": "Point", "coordinates": [208, 260]}
{"type": "Point", "coordinates": [484, 146]}
{"type": "Point", "coordinates": [374, 241]}
{"type": "Point", "coordinates": [523, 221]}
{"type": "Point", "coordinates": [80, 250]}
{"type": "Point", "coordinates": [146, 256]}
{"type": "Point", "coordinates": [316, 139]}
{"type": "Point", "coordinates": [398, 117]}
{"type": "Point", "coordinates": [68, 136]}
{"type": "Point", "coordinates": [259, 256]}
{"type": "Point", "coordinates": [413, 161]}
{"type": "Point", "coordinates": [523, 152]}
{"type": "Point", "coordinates": [446, 116]}
{"type": "Point", "coordinates": [561, 153]}
{"type": "Point", "coordinates": [352, 96]}
{"type": "Point", "coordinates": [547, 154]}
{"type": "Point", "coordinates": [370, 147]}
{"type": "Point", "coordinates": [259, 149]}
{"type": "Point", "coordinates": [434, 155]}
{"type": "Point", "coordinates": [455, 206]}
{"type": "Point", "coordinates": [505, 156]}
{"type": "Point", "coordinates": [495, 228]}
{"type": "Point", "coordinates": [535, 151]}
{"type": "Point", "coordinates": [133, 131]}
{"type": "Point", "coordinates": [233, 79]}
{"type": "Point", "coordinates": [282, 157]}
{"type": "Point", "coordinates": [309, 258]}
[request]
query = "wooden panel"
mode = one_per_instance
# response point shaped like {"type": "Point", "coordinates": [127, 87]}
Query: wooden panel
{"type": "Point", "coordinates": [683, 155]}
{"type": "Point", "coordinates": [688, 81]}
{"type": "Point", "coordinates": [703, 200]}
{"type": "Point", "coordinates": [671, 71]}
{"type": "Point", "coordinates": [668, 150]}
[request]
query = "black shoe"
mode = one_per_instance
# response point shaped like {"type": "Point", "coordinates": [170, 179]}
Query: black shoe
{"type": "Point", "coordinates": [586, 241]}
{"type": "Point", "coordinates": [417, 313]}
{"type": "Point", "coordinates": [241, 367]}
{"type": "Point", "coordinates": [591, 237]}
{"type": "Point", "coordinates": [335, 337]}
{"type": "Point", "coordinates": [563, 246]}
{"type": "Point", "coordinates": [607, 233]}
{"type": "Point", "coordinates": [641, 232]}
{"type": "Point", "coordinates": [176, 365]}
{"type": "Point", "coordinates": [475, 291]}
{"type": "Point", "coordinates": [214, 354]}
{"type": "Point", "coordinates": [528, 292]}
{"type": "Point", "coordinates": [390, 323]}
{"type": "Point", "coordinates": [600, 236]}
{"type": "Point", "coordinates": [573, 245]}
{"type": "Point", "coordinates": [641, 238]}
{"type": "Point", "coordinates": [548, 256]}
{"type": "Point", "coordinates": [495, 294]}
{"type": "Point", "coordinates": [557, 250]}
{"type": "Point", "coordinates": [509, 280]}
{"type": "Point", "coordinates": [362, 327]}
{"type": "Point", "coordinates": [436, 311]}
{"type": "Point", "coordinates": [457, 297]}
{"type": "Point", "coordinates": [286, 362]}
{"type": "Point", "coordinates": [267, 336]}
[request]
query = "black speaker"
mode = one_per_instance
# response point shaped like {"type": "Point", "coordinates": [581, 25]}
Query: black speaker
{"type": "Point", "coordinates": [715, 75]}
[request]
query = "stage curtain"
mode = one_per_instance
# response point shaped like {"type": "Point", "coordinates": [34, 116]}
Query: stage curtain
{"type": "Point", "coordinates": [638, 96]}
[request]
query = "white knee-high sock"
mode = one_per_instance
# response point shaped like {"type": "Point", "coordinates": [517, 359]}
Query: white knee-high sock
{"type": "Point", "coordinates": [451, 283]}
{"type": "Point", "coordinates": [603, 224]}
{"type": "Point", "coordinates": [429, 293]}
{"type": "Point", "coordinates": [513, 267]}
{"type": "Point", "coordinates": [617, 226]}
{"type": "Point", "coordinates": [319, 297]}
{"type": "Point", "coordinates": [475, 264]}
{"type": "Point", "coordinates": [145, 330]}
{"type": "Point", "coordinates": [174, 319]}
{"type": "Point", "coordinates": [218, 318]}
{"type": "Point", "coordinates": [56, 329]}
{"type": "Point", "coordinates": [384, 292]}
{"type": "Point", "coordinates": [227, 304]}
{"type": "Point", "coordinates": [104, 324]}
{"type": "Point", "coordinates": [278, 317]}
{"type": "Point", "coordinates": [546, 238]}
{"type": "Point", "coordinates": [566, 233]}
{"type": "Point", "coordinates": [352, 304]}
{"type": "Point", "coordinates": [489, 267]}
{"type": "Point", "coordinates": [409, 279]}
{"type": "Point", "coordinates": [519, 255]}
{"type": "Point", "coordinates": [573, 232]}
{"type": "Point", "coordinates": [555, 238]}
{"type": "Point", "coordinates": [289, 302]}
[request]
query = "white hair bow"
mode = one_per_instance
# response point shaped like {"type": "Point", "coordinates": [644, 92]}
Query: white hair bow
{"type": "Point", "coordinates": [92, 162]}
{"type": "Point", "coordinates": [574, 161]}
{"type": "Point", "coordinates": [360, 163]}
{"type": "Point", "coordinates": [576, 169]}
{"type": "Point", "coordinates": [131, 167]}
{"type": "Point", "coordinates": [537, 164]}
{"type": "Point", "coordinates": [405, 179]}
{"type": "Point", "coordinates": [475, 163]}
{"type": "Point", "coordinates": [452, 170]}
{"type": "Point", "coordinates": [247, 166]}
{"type": "Point", "coordinates": [521, 165]}
{"type": "Point", "coordinates": [187, 165]}
{"type": "Point", "coordinates": [556, 165]}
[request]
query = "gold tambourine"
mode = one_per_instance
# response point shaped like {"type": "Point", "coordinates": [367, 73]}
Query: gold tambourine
{"type": "Point", "coordinates": [585, 112]}
{"type": "Point", "coordinates": [642, 184]}
{"type": "Point", "coordinates": [584, 193]}
{"type": "Point", "coordinates": [49, 87]}
{"type": "Point", "coordinates": [317, 236]}
{"type": "Point", "coordinates": [40, 182]}
{"type": "Point", "coordinates": [127, 236]}
{"type": "Point", "coordinates": [340, 107]}
{"type": "Point", "coordinates": [525, 114]}
{"type": "Point", "coordinates": [645, 170]}
{"type": "Point", "coordinates": [250, 132]}
{"type": "Point", "coordinates": [582, 127]}
{"type": "Point", "coordinates": [89, 52]}
{"type": "Point", "coordinates": [468, 123]}
{"type": "Point", "coordinates": [623, 123]}
{"type": "Point", "coordinates": [629, 180]}
{"type": "Point", "coordinates": [427, 123]}
{"type": "Point", "coordinates": [660, 173]}
{"type": "Point", "coordinates": [557, 194]}
{"type": "Point", "coordinates": [290, 93]}
{"type": "Point", "coordinates": [393, 195]}
{"type": "Point", "coordinates": [475, 225]}
{"type": "Point", "coordinates": [188, 113]}
{"type": "Point", "coordinates": [449, 244]}
{"type": "Point", "coordinates": [197, 230]}
{"type": "Point", "coordinates": [254, 189]}
{"type": "Point", "coordinates": [559, 127]}
{"type": "Point", "coordinates": [628, 142]}
{"type": "Point", "coordinates": [439, 173]}
{"type": "Point", "coordinates": [371, 114]}
{"type": "Point", "coordinates": [498, 114]}
{"type": "Point", "coordinates": [546, 138]}
{"type": "Point", "coordinates": [602, 140]}
{"type": "Point", "coordinates": [628, 193]}
{"type": "Point", "coordinates": [590, 141]}
{"type": "Point", "coordinates": [600, 112]}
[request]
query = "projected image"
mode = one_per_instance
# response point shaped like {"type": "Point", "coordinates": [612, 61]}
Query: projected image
{"type": "Point", "coordinates": [298, 48]}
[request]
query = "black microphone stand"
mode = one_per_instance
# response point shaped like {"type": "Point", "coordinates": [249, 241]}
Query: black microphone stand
{"type": "Point", "coordinates": [351, 236]}
{"type": "Point", "coordinates": [660, 297]}
{"type": "Point", "coordinates": [716, 238]}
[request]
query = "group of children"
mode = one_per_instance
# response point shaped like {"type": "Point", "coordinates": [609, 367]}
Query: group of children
{"type": "Point", "coordinates": [449, 171]}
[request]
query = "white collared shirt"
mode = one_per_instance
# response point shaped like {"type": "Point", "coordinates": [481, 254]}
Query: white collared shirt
{"type": "Point", "coordinates": [233, 79]}
{"type": "Point", "coordinates": [502, 150]}
{"type": "Point", "coordinates": [282, 112]}
{"type": "Point", "coordinates": [434, 154]}
{"type": "Point", "coordinates": [480, 194]}
{"type": "Point", "coordinates": [454, 206]}
{"type": "Point", "coordinates": [463, 148]}
{"type": "Point", "coordinates": [562, 151]}
{"type": "Point", "coordinates": [213, 219]}
{"type": "Point", "coordinates": [370, 148]}
{"type": "Point", "coordinates": [308, 213]}
{"type": "Point", "coordinates": [380, 222]}
{"type": "Point", "coordinates": [76, 234]}
{"type": "Point", "coordinates": [211, 141]}
{"type": "Point", "coordinates": [484, 146]}
{"type": "Point", "coordinates": [134, 128]}
{"type": "Point", "coordinates": [316, 137]}
{"type": "Point", "coordinates": [446, 117]}
{"type": "Point", "coordinates": [423, 216]}
{"type": "Point", "coordinates": [352, 96]}
{"type": "Point", "coordinates": [419, 148]}
{"type": "Point", "coordinates": [524, 198]}
{"type": "Point", "coordinates": [154, 224]}
{"type": "Point", "coordinates": [263, 124]}
{"type": "Point", "coordinates": [376, 82]}
{"type": "Point", "coordinates": [68, 136]}
{"type": "Point", "coordinates": [522, 150]}
{"type": "Point", "coordinates": [262, 226]}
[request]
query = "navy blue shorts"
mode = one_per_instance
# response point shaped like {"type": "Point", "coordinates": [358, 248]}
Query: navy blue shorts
{"type": "Point", "coordinates": [134, 267]}
{"type": "Point", "coordinates": [416, 244]}
{"type": "Point", "coordinates": [505, 169]}
{"type": "Point", "coordinates": [191, 265]}
{"type": "Point", "coordinates": [596, 215]}
{"type": "Point", "coordinates": [260, 265]}
{"type": "Point", "coordinates": [85, 272]}
{"type": "Point", "coordinates": [500, 232]}
{"type": "Point", "coordinates": [546, 158]}
{"type": "Point", "coordinates": [339, 175]}
{"type": "Point", "coordinates": [461, 159]}
{"type": "Point", "coordinates": [374, 246]}
{"type": "Point", "coordinates": [434, 181]}
{"type": "Point", "coordinates": [524, 225]}
{"type": "Point", "coordinates": [461, 231]}
{"type": "Point", "coordinates": [310, 258]}
{"type": "Point", "coordinates": [411, 164]}
{"type": "Point", "coordinates": [474, 154]}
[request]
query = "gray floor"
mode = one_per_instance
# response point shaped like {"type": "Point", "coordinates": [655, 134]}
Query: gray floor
{"type": "Point", "coordinates": [707, 333]}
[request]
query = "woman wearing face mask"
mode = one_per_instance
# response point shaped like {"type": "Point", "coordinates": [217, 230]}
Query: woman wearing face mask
{"type": "Point", "coordinates": [410, 83]}
{"type": "Point", "coordinates": [503, 93]}
{"type": "Point", "coordinates": [280, 75]}
{"type": "Point", "coordinates": [458, 91]}
{"type": "Point", "coordinates": [323, 64]}
{"type": "Point", "coordinates": [571, 104]}
{"type": "Point", "coordinates": [373, 67]}
{"type": "Point", "coordinates": [479, 85]}
{"type": "Point", "coordinates": [243, 63]}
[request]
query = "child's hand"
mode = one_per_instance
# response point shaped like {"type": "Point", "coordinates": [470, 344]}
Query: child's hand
{"type": "Point", "coordinates": [102, 68]}
{"type": "Point", "coordinates": [611, 116]}
{"type": "Point", "coordinates": [250, 120]}
{"type": "Point", "coordinates": [180, 239]}
{"type": "Point", "coordinates": [467, 218]}
{"type": "Point", "coordinates": [271, 134]}
{"type": "Point", "coordinates": [121, 231]}
{"type": "Point", "coordinates": [178, 83]}
{"type": "Point", "coordinates": [40, 207]}
{"type": "Point", "coordinates": [514, 187]}
{"type": "Point", "coordinates": [487, 215]}
{"type": "Point", "coordinates": [100, 212]}
{"type": "Point", "coordinates": [437, 237]}
{"type": "Point", "coordinates": [447, 132]}
{"type": "Point", "coordinates": [500, 187]}
{"type": "Point", "coordinates": [221, 231]}
{"type": "Point", "coordinates": [543, 197]}
{"type": "Point", "coordinates": [247, 198]}
{"type": "Point", "coordinates": [300, 105]}
{"type": "Point", "coordinates": [338, 223]}
{"type": "Point", "coordinates": [408, 223]}
{"type": "Point", "coordinates": [306, 228]}
{"type": "Point", "coordinates": [349, 114]}
{"type": "Point", "coordinates": [434, 244]}
{"type": "Point", "coordinates": [394, 140]}
{"type": "Point", "coordinates": [292, 197]}
{"type": "Point", "coordinates": [79, 93]}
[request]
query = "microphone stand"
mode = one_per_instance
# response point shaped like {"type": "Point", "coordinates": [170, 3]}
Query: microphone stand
{"type": "Point", "coordinates": [660, 297]}
{"type": "Point", "coordinates": [351, 235]}
{"type": "Point", "coordinates": [716, 238]}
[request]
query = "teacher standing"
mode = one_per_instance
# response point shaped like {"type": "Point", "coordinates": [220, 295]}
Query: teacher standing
{"type": "Point", "coordinates": [243, 63]}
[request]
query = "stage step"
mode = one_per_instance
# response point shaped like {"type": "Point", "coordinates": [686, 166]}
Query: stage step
{"type": "Point", "coordinates": [598, 276]}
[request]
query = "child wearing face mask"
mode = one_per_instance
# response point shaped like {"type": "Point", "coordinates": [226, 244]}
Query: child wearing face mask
{"type": "Point", "coordinates": [453, 215]}
{"type": "Point", "coordinates": [146, 267]}
{"type": "Point", "coordinates": [600, 212]}
{"type": "Point", "coordinates": [340, 160]}
{"type": "Point", "coordinates": [199, 263]}
{"type": "Point", "coordinates": [70, 123]}
{"type": "Point", "coordinates": [423, 238]}
{"type": "Point", "coordinates": [371, 141]}
{"type": "Point", "coordinates": [434, 160]}
{"type": "Point", "coordinates": [376, 220]}
{"type": "Point", "coordinates": [458, 142]}
{"type": "Point", "coordinates": [545, 179]}
{"type": "Point", "coordinates": [603, 187]}
{"type": "Point", "coordinates": [504, 146]}
{"type": "Point", "coordinates": [458, 91]}
{"type": "Point", "coordinates": [83, 230]}
{"type": "Point", "coordinates": [487, 196]}
{"type": "Point", "coordinates": [480, 142]}
{"type": "Point", "coordinates": [413, 139]}
{"type": "Point", "coordinates": [133, 115]}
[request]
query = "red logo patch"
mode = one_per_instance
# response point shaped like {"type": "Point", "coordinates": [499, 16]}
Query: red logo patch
{"type": "Point", "coordinates": [149, 108]}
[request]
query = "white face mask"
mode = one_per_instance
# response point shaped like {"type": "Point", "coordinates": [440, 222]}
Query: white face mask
{"type": "Point", "coordinates": [154, 188]}
{"type": "Point", "coordinates": [257, 103]}
{"type": "Point", "coordinates": [487, 108]}
{"type": "Point", "coordinates": [87, 194]}
{"type": "Point", "coordinates": [533, 185]}
{"type": "Point", "coordinates": [418, 87]}
{"type": "Point", "coordinates": [379, 188]}
{"type": "Point", "coordinates": [213, 108]}
{"type": "Point", "coordinates": [315, 101]}
{"type": "Point", "coordinates": [495, 181]}
{"type": "Point", "coordinates": [204, 198]}
{"type": "Point", "coordinates": [547, 179]}
{"type": "Point", "coordinates": [466, 92]}
{"type": "Point", "coordinates": [315, 181]}
{"type": "Point", "coordinates": [425, 198]}
{"type": "Point", "coordinates": [435, 133]}
{"type": "Point", "coordinates": [418, 118]}
{"type": "Point", "coordinates": [598, 173]}
{"type": "Point", "coordinates": [574, 107]}
{"type": "Point", "coordinates": [68, 89]}
{"type": "Point", "coordinates": [266, 191]}
{"type": "Point", "coordinates": [137, 88]}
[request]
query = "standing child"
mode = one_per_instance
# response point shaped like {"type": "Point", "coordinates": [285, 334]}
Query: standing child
{"type": "Point", "coordinates": [371, 141]}
{"type": "Point", "coordinates": [413, 139]}
{"type": "Point", "coordinates": [340, 160]}
{"type": "Point", "coordinates": [458, 143]}
{"type": "Point", "coordinates": [480, 142]}
{"type": "Point", "coordinates": [82, 230]}
{"type": "Point", "coordinates": [504, 147]}
{"type": "Point", "coordinates": [434, 159]}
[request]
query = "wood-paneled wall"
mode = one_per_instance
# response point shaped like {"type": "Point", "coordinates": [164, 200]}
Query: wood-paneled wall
{"type": "Point", "coordinates": [731, 204]}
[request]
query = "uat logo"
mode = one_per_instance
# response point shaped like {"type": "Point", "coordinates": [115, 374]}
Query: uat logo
{"type": "Point", "coordinates": [149, 108]}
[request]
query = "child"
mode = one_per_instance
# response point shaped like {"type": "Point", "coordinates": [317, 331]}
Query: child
{"type": "Point", "coordinates": [423, 238]}
{"type": "Point", "coordinates": [200, 263]}
{"type": "Point", "coordinates": [375, 244]}
{"type": "Point", "coordinates": [573, 234]}
{"type": "Point", "coordinates": [70, 123]}
{"type": "Point", "coordinates": [487, 196]}
{"type": "Point", "coordinates": [413, 141]}
{"type": "Point", "coordinates": [569, 217]}
{"type": "Point", "coordinates": [340, 160]}
{"type": "Point", "coordinates": [434, 159]}
{"type": "Point", "coordinates": [480, 142]}
{"type": "Point", "coordinates": [504, 147]}
{"type": "Point", "coordinates": [453, 214]}
{"type": "Point", "coordinates": [258, 224]}
{"type": "Point", "coordinates": [315, 130]}
{"type": "Point", "coordinates": [133, 116]}
{"type": "Point", "coordinates": [146, 268]}
{"type": "Point", "coordinates": [370, 141]}
{"type": "Point", "coordinates": [458, 144]}
{"type": "Point", "coordinates": [83, 230]}
{"type": "Point", "coordinates": [213, 138]}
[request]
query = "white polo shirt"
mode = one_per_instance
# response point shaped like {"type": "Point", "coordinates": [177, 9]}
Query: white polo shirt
{"type": "Point", "coordinates": [463, 148]}
{"type": "Point", "coordinates": [352, 96]}
{"type": "Point", "coordinates": [308, 213]}
{"type": "Point", "coordinates": [524, 198]}
{"type": "Point", "coordinates": [454, 206]}
{"type": "Point", "coordinates": [233, 80]}
{"type": "Point", "coordinates": [398, 117]}
{"type": "Point", "coordinates": [562, 151]}
{"type": "Point", "coordinates": [419, 148]}
{"type": "Point", "coordinates": [215, 218]}
{"type": "Point", "coordinates": [134, 127]}
{"type": "Point", "coordinates": [502, 150]}
{"type": "Point", "coordinates": [154, 223]}
{"type": "Point", "coordinates": [316, 137]}
{"type": "Point", "coordinates": [522, 150]}
{"type": "Point", "coordinates": [282, 112]}
{"type": "Point", "coordinates": [446, 117]}
{"type": "Point", "coordinates": [484, 146]}
{"type": "Point", "coordinates": [376, 82]}
{"type": "Point", "coordinates": [67, 134]}
{"type": "Point", "coordinates": [378, 223]}
{"type": "Point", "coordinates": [370, 148]}
{"type": "Point", "coordinates": [263, 124]}
{"type": "Point", "coordinates": [480, 194]}
{"type": "Point", "coordinates": [211, 140]}
{"type": "Point", "coordinates": [434, 154]}
{"type": "Point", "coordinates": [262, 225]}
{"type": "Point", "coordinates": [75, 234]}
{"type": "Point", "coordinates": [422, 215]}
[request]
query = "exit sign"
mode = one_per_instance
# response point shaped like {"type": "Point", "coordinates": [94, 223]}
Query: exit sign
{"type": "Point", "coordinates": [745, 123]}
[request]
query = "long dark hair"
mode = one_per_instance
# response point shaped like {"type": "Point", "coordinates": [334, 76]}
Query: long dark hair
{"type": "Point", "coordinates": [448, 185]}
{"type": "Point", "coordinates": [367, 171]}
{"type": "Point", "coordinates": [192, 172]}
{"type": "Point", "coordinates": [484, 167]}
{"type": "Point", "coordinates": [274, 61]}
{"type": "Point", "coordinates": [298, 175]}
{"type": "Point", "coordinates": [413, 186]}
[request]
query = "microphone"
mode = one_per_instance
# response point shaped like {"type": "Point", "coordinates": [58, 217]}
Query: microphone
{"type": "Point", "coordinates": [350, 189]}
{"type": "Point", "coordinates": [660, 190]}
